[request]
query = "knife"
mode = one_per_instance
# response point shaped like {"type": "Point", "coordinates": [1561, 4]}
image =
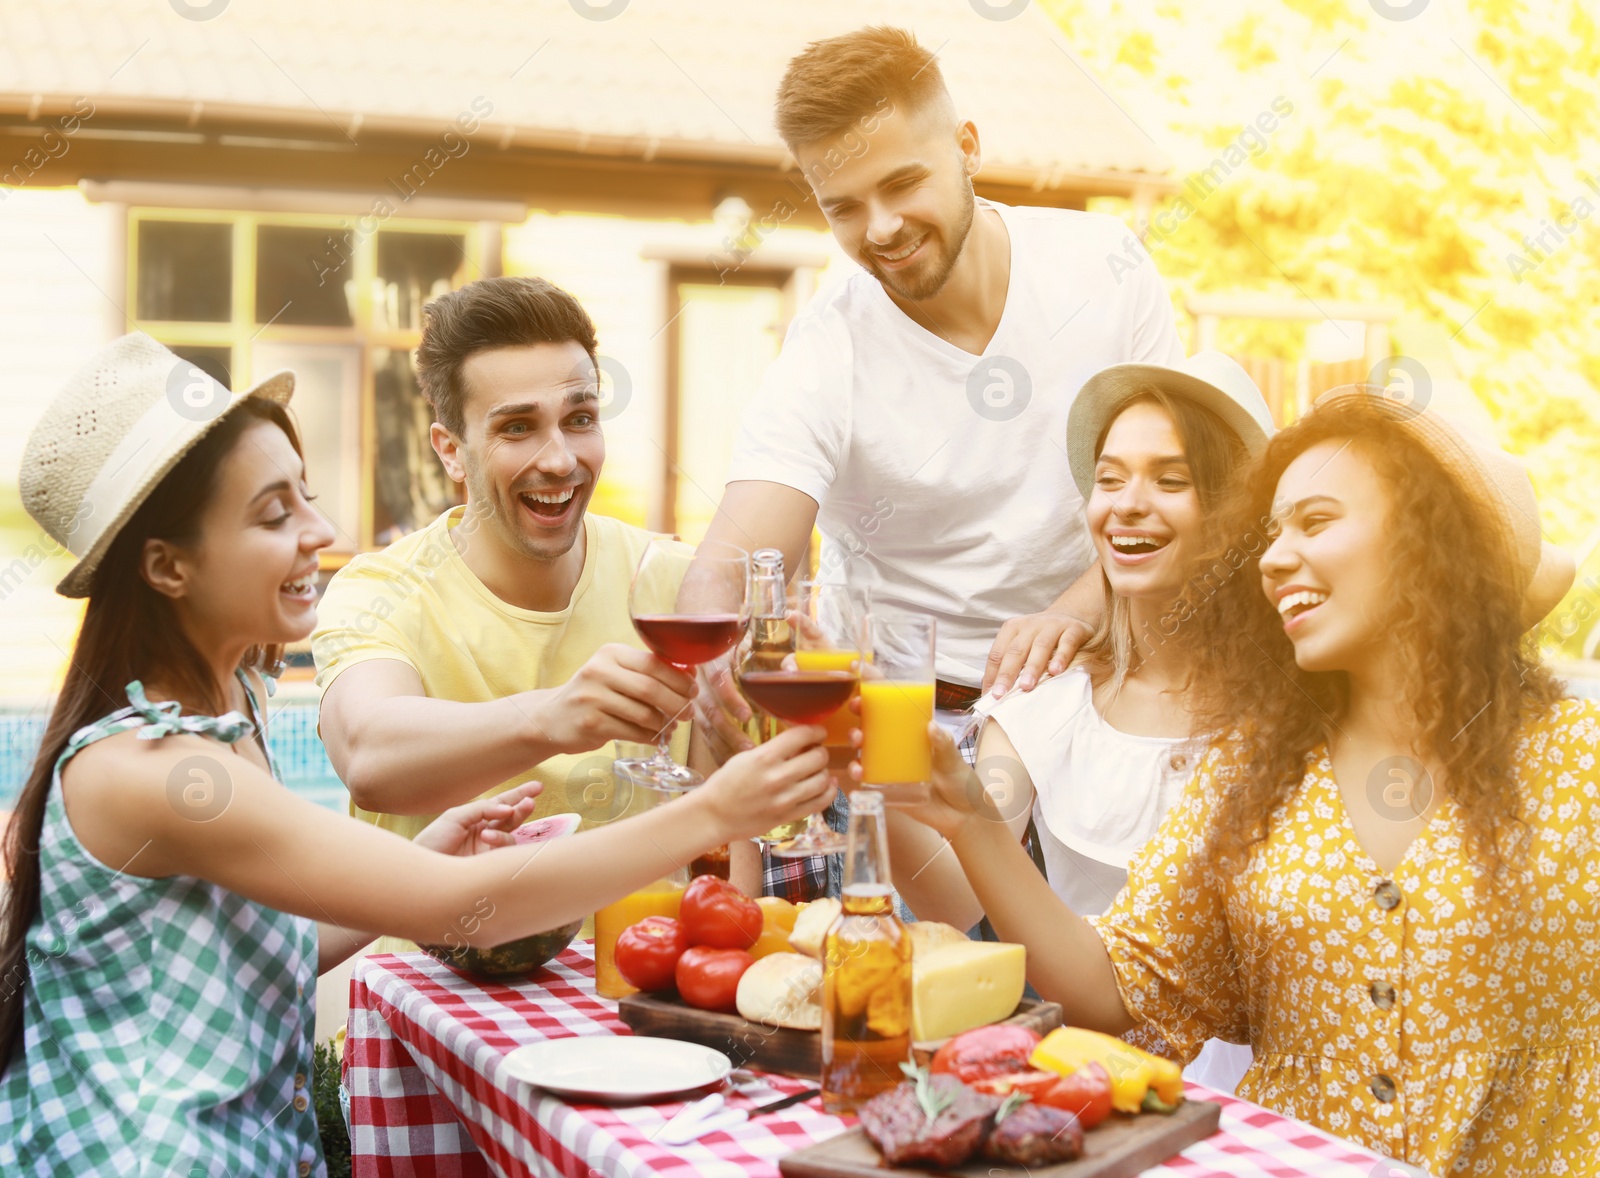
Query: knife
{"type": "Point", "coordinates": [800, 1097]}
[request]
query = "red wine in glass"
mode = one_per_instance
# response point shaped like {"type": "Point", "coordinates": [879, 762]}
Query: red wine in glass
{"type": "Point", "coordinates": [800, 697]}
{"type": "Point", "coordinates": [687, 640]}
{"type": "Point", "coordinates": [688, 606]}
{"type": "Point", "coordinates": [828, 620]}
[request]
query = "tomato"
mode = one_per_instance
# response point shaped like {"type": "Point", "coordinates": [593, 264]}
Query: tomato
{"type": "Point", "coordinates": [716, 913]}
{"type": "Point", "coordinates": [777, 922]}
{"type": "Point", "coordinates": [647, 952]}
{"type": "Point", "coordinates": [1035, 1084]}
{"type": "Point", "coordinates": [977, 1054]}
{"type": "Point", "coordinates": [1085, 1092]}
{"type": "Point", "coordinates": [709, 978]}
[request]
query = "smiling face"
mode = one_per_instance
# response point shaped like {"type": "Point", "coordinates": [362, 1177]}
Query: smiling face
{"type": "Point", "coordinates": [1327, 570]}
{"type": "Point", "coordinates": [531, 449]}
{"type": "Point", "coordinates": [899, 197]}
{"type": "Point", "coordinates": [251, 573]}
{"type": "Point", "coordinates": [1144, 512]}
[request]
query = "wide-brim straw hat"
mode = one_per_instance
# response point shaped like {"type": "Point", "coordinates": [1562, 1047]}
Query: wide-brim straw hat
{"type": "Point", "coordinates": [1210, 379]}
{"type": "Point", "coordinates": [112, 433]}
{"type": "Point", "coordinates": [1494, 480]}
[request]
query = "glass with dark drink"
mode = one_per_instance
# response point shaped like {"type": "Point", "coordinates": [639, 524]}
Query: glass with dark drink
{"type": "Point", "coordinates": [710, 592]}
{"type": "Point", "coordinates": [811, 684]}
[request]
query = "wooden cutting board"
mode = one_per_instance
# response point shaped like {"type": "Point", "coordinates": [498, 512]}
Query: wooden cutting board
{"type": "Point", "coordinates": [773, 1049]}
{"type": "Point", "coordinates": [1120, 1147]}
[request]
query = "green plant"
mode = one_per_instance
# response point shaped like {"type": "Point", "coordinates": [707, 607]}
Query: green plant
{"type": "Point", "coordinates": [330, 1118]}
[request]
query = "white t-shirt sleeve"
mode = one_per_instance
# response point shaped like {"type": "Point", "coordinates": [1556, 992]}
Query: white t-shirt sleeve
{"type": "Point", "coordinates": [797, 429]}
{"type": "Point", "coordinates": [1155, 335]}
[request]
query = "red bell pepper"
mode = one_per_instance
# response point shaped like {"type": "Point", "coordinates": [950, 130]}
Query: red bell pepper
{"type": "Point", "coordinates": [1033, 1085]}
{"type": "Point", "coordinates": [983, 1052]}
{"type": "Point", "coordinates": [1085, 1093]}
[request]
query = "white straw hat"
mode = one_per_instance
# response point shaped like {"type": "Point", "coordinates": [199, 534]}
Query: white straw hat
{"type": "Point", "coordinates": [111, 435]}
{"type": "Point", "coordinates": [1496, 480]}
{"type": "Point", "coordinates": [1210, 379]}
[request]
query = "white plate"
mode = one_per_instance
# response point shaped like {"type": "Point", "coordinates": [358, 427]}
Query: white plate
{"type": "Point", "coordinates": [617, 1067]}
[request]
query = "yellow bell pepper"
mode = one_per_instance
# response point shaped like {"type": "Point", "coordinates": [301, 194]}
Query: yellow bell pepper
{"type": "Point", "coordinates": [1138, 1079]}
{"type": "Point", "coordinates": [777, 922]}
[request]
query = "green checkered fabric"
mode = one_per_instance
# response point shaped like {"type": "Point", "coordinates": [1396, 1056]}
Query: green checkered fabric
{"type": "Point", "coordinates": [167, 1023]}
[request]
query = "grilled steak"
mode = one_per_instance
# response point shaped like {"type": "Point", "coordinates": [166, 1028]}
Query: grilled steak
{"type": "Point", "coordinates": [896, 1124]}
{"type": "Point", "coordinates": [1035, 1135]}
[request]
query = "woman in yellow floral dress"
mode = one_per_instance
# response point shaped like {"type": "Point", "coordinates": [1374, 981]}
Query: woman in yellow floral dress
{"type": "Point", "coordinates": [1386, 879]}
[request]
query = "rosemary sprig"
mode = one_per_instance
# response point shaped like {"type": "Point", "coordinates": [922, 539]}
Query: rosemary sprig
{"type": "Point", "coordinates": [1014, 1100]}
{"type": "Point", "coordinates": [933, 1102]}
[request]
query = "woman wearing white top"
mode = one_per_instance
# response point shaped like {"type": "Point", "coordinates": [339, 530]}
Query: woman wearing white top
{"type": "Point", "coordinates": [1097, 754]}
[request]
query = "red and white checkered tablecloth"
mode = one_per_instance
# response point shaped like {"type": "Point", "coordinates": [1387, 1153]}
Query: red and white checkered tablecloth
{"type": "Point", "coordinates": [429, 1095]}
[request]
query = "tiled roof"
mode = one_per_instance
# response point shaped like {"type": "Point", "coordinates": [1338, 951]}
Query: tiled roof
{"type": "Point", "coordinates": [685, 78]}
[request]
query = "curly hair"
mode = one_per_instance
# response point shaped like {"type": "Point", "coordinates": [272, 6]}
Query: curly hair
{"type": "Point", "coordinates": [1472, 675]}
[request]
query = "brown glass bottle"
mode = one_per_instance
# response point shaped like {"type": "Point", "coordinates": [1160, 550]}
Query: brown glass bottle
{"type": "Point", "coordinates": [866, 971]}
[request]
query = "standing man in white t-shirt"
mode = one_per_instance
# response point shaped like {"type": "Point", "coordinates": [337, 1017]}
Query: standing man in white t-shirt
{"type": "Point", "coordinates": [918, 414]}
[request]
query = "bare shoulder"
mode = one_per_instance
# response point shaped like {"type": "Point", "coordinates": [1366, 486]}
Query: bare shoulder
{"type": "Point", "coordinates": [125, 772]}
{"type": "Point", "coordinates": [123, 794]}
{"type": "Point", "coordinates": [993, 739]}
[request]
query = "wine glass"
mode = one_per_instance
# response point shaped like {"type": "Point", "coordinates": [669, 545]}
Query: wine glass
{"type": "Point", "coordinates": [811, 686]}
{"type": "Point", "coordinates": [688, 608]}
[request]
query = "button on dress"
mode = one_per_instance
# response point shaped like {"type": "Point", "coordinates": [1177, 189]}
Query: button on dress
{"type": "Point", "coordinates": [1428, 1013]}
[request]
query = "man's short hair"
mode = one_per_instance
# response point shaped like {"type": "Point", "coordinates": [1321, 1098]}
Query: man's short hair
{"type": "Point", "coordinates": [491, 313]}
{"type": "Point", "coordinates": [832, 85]}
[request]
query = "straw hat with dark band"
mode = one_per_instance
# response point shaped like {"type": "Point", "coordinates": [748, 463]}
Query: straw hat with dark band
{"type": "Point", "coordinates": [1497, 482]}
{"type": "Point", "coordinates": [111, 435]}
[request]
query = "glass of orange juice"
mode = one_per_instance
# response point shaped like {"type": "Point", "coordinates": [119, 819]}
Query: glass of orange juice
{"type": "Point", "coordinates": [897, 707]}
{"type": "Point", "coordinates": [660, 898]}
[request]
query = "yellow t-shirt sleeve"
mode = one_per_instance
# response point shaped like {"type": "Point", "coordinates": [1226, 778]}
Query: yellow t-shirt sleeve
{"type": "Point", "coordinates": [354, 623]}
{"type": "Point", "coordinates": [1168, 936]}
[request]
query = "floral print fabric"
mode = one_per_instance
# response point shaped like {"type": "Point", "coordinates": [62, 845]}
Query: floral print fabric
{"type": "Point", "coordinates": [1427, 1014]}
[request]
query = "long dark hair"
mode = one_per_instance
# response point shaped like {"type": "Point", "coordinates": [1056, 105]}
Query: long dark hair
{"type": "Point", "coordinates": [129, 632]}
{"type": "Point", "coordinates": [1215, 454]}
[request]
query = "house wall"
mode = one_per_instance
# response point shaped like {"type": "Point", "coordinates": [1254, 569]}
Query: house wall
{"type": "Point", "coordinates": [618, 268]}
{"type": "Point", "coordinates": [62, 261]}
{"type": "Point", "coordinates": [60, 275]}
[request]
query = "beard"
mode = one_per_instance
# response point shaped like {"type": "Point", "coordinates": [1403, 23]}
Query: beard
{"type": "Point", "coordinates": [927, 279]}
{"type": "Point", "coordinates": [503, 518]}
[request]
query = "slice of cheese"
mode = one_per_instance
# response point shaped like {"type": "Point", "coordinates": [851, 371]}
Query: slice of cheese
{"type": "Point", "coordinates": [960, 986]}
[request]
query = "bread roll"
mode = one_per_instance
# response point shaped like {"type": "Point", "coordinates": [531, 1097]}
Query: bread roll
{"type": "Point", "coordinates": [811, 925]}
{"type": "Point", "coordinates": [930, 934]}
{"type": "Point", "coordinates": [782, 990]}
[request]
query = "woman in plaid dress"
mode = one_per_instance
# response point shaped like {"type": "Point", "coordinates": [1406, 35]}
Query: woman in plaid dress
{"type": "Point", "coordinates": [170, 903]}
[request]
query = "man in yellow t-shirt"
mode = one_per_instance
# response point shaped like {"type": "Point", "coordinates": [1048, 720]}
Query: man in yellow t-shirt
{"type": "Point", "coordinates": [495, 645]}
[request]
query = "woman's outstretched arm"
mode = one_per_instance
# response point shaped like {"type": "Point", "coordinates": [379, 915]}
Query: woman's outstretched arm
{"type": "Point", "coordinates": [1067, 961]}
{"type": "Point", "coordinates": [927, 873]}
{"type": "Point", "coordinates": [258, 839]}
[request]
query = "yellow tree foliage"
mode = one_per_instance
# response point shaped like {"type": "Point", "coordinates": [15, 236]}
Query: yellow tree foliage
{"type": "Point", "coordinates": [1441, 156]}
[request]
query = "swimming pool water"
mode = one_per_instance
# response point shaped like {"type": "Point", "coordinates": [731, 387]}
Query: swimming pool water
{"type": "Point", "coordinates": [291, 734]}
